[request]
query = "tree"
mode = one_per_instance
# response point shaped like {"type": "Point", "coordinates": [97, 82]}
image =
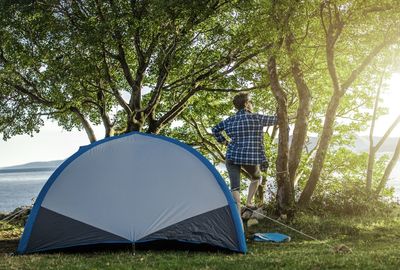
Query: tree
{"type": "Point", "coordinates": [374, 148]}
{"type": "Point", "coordinates": [173, 67]}
{"type": "Point", "coordinates": [285, 19]}
{"type": "Point", "coordinates": [129, 65]}
{"type": "Point", "coordinates": [336, 17]}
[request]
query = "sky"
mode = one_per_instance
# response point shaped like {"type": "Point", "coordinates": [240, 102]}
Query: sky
{"type": "Point", "coordinates": [53, 143]}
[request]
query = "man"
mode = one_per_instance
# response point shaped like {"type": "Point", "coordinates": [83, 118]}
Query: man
{"type": "Point", "coordinates": [246, 147]}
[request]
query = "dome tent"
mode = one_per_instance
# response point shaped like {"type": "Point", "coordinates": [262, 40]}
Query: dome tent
{"type": "Point", "coordinates": [133, 188]}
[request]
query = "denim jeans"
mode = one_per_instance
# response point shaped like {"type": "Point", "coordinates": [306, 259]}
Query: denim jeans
{"type": "Point", "coordinates": [234, 173]}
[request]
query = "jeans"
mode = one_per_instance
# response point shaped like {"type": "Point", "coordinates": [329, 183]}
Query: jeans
{"type": "Point", "coordinates": [234, 173]}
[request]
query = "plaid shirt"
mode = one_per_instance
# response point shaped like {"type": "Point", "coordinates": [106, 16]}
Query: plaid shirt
{"type": "Point", "coordinates": [245, 129]}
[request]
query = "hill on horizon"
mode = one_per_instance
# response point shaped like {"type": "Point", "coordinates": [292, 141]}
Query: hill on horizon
{"type": "Point", "coordinates": [361, 144]}
{"type": "Point", "coordinates": [33, 166]}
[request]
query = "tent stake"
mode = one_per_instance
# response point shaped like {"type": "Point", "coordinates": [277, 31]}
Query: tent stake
{"type": "Point", "coordinates": [133, 249]}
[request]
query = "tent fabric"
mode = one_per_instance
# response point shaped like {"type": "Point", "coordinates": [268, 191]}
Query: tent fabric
{"type": "Point", "coordinates": [55, 231]}
{"type": "Point", "coordinates": [206, 226]}
{"type": "Point", "coordinates": [133, 188]}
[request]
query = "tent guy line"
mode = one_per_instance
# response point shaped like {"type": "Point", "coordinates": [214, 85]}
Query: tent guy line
{"type": "Point", "coordinates": [289, 227]}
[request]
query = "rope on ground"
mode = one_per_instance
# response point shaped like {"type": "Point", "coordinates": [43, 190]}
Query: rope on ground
{"type": "Point", "coordinates": [291, 228]}
{"type": "Point", "coordinates": [13, 216]}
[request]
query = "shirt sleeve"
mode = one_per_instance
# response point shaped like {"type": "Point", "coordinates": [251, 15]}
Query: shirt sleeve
{"type": "Point", "coordinates": [217, 132]}
{"type": "Point", "coordinates": [268, 120]}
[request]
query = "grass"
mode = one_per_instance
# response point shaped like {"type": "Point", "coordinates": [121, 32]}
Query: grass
{"type": "Point", "coordinates": [374, 241]}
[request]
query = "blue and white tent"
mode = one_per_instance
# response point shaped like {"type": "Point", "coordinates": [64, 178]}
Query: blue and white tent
{"type": "Point", "coordinates": [133, 188]}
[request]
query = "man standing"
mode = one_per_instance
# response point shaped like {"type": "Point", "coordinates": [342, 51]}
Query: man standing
{"type": "Point", "coordinates": [246, 147]}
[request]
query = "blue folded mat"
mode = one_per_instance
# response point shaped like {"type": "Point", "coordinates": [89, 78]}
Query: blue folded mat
{"type": "Point", "coordinates": [271, 237]}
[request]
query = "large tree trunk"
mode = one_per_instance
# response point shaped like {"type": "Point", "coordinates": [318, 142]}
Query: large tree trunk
{"type": "Point", "coordinates": [109, 131]}
{"type": "Point", "coordinates": [319, 159]}
{"type": "Point", "coordinates": [135, 122]}
{"type": "Point", "coordinates": [300, 132]}
{"type": "Point", "coordinates": [301, 125]}
{"type": "Point", "coordinates": [285, 192]}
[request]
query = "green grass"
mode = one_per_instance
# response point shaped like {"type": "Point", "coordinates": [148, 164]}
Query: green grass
{"type": "Point", "coordinates": [374, 240]}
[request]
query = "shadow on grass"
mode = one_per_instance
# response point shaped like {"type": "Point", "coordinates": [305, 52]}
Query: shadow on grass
{"type": "Point", "coordinates": [8, 246]}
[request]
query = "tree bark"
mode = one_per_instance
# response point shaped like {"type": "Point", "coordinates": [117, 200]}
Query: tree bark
{"type": "Point", "coordinates": [325, 138]}
{"type": "Point", "coordinates": [86, 125]}
{"type": "Point", "coordinates": [389, 169]}
{"type": "Point", "coordinates": [303, 111]}
{"type": "Point", "coordinates": [372, 149]}
{"type": "Point", "coordinates": [260, 194]}
{"type": "Point", "coordinates": [285, 192]}
{"type": "Point", "coordinates": [156, 125]}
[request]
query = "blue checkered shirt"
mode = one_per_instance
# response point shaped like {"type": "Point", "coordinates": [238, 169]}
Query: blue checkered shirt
{"type": "Point", "coordinates": [245, 129]}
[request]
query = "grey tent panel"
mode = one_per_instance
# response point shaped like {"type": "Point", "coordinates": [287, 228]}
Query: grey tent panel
{"type": "Point", "coordinates": [214, 228]}
{"type": "Point", "coordinates": [53, 231]}
{"type": "Point", "coordinates": [133, 188]}
{"type": "Point", "coordinates": [121, 175]}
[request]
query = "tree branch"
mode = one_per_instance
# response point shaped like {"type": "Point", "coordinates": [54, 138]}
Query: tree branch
{"type": "Point", "coordinates": [115, 91]}
{"type": "Point", "coordinates": [195, 125]}
{"type": "Point", "coordinates": [367, 60]}
{"type": "Point", "coordinates": [86, 125]}
{"type": "Point", "coordinates": [389, 168]}
{"type": "Point", "coordinates": [162, 77]}
{"type": "Point", "coordinates": [387, 133]}
{"type": "Point", "coordinates": [172, 113]}
{"type": "Point", "coordinates": [262, 86]}
{"type": "Point", "coordinates": [32, 96]}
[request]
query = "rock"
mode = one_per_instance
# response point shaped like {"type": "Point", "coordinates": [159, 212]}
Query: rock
{"type": "Point", "coordinates": [283, 217]}
{"type": "Point", "coordinates": [258, 214]}
{"type": "Point", "coordinates": [246, 214]}
{"type": "Point", "coordinates": [342, 249]}
{"type": "Point", "coordinates": [252, 222]}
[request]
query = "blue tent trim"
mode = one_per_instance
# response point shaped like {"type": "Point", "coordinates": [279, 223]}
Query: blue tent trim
{"type": "Point", "coordinates": [36, 207]}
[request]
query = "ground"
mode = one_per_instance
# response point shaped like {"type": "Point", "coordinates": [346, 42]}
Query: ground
{"type": "Point", "coordinates": [374, 241]}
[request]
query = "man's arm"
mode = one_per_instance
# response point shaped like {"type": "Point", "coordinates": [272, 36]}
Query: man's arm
{"type": "Point", "coordinates": [268, 120]}
{"type": "Point", "coordinates": [217, 132]}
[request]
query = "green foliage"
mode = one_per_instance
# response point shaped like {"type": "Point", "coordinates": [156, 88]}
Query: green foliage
{"type": "Point", "coordinates": [109, 60]}
{"type": "Point", "coordinates": [342, 190]}
{"type": "Point", "coordinates": [100, 58]}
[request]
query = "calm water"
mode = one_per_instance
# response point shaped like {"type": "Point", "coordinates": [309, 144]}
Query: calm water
{"type": "Point", "coordinates": [18, 189]}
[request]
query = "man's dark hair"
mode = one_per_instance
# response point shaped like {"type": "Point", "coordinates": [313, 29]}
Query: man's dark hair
{"type": "Point", "coordinates": [240, 100]}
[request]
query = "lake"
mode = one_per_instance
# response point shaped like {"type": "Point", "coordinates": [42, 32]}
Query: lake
{"type": "Point", "coordinates": [22, 188]}
{"type": "Point", "coordinates": [19, 189]}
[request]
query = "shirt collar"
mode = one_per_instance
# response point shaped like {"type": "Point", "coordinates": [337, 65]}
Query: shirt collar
{"type": "Point", "coordinates": [243, 111]}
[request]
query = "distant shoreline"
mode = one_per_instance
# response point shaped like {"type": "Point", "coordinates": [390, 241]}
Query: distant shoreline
{"type": "Point", "coordinates": [37, 166]}
{"type": "Point", "coordinates": [21, 170]}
